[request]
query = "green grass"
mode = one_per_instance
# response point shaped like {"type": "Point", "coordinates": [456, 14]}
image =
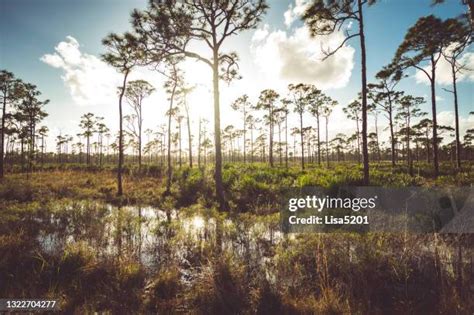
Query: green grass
{"type": "Point", "coordinates": [249, 187]}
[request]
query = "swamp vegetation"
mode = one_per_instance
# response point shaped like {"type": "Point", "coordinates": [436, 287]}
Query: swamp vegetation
{"type": "Point", "coordinates": [65, 234]}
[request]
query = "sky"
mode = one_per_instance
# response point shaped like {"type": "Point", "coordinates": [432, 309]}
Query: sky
{"type": "Point", "coordinates": [56, 45]}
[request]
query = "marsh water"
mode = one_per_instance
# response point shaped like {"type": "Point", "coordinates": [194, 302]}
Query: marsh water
{"type": "Point", "coordinates": [153, 236]}
{"type": "Point", "coordinates": [99, 256]}
{"type": "Point", "coordinates": [96, 256]}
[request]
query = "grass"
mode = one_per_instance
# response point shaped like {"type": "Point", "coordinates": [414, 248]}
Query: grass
{"type": "Point", "coordinates": [226, 263]}
{"type": "Point", "coordinates": [250, 187]}
{"type": "Point", "coordinates": [80, 185]}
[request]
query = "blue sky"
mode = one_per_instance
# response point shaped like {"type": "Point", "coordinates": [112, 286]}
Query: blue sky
{"type": "Point", "coordinates": [31, 29]}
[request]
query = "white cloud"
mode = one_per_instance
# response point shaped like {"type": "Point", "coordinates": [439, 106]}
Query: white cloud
{"type": "Point", "coordinates": [53, 60]}
{"type": "Point", "coordinates": [443, 71]}
{"type": "Point", "coordinates": [289, 17]}
{"type": "Point", "coordinates": [90, 80]}
{"type": "Point", "coordinates": [446, 118]}
{"type": "Point", "coordinates": [288, 58]}
{"type": "Point", "coordinates": [295, 11]}
{"type": "Point", "coordinates": [260, 33]}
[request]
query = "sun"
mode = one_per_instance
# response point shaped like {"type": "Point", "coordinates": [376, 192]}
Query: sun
{"type": "Point", "coordinates": [197, 223]}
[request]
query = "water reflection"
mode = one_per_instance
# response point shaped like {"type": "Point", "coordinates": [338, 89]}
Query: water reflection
{"type": "Point", "coordinates": [153, 236]}
{"type": "Point", "coordinates": [106, 258]}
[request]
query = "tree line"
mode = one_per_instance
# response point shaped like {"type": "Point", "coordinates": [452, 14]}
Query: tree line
{"type": "Point", "coordinates": [22, 112]}
{"type": "Point", "coordinates": [264, 124]}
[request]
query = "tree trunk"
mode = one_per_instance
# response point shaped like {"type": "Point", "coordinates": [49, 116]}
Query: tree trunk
{"type": "Point", "coordinates": [286, 140]}
{"type": "Point", "coordinates": [392, 134]}
{"type": "Point", "coordinates": [417, 152]}
{"type": "Point", "coordinates": [180, 161]}
{"type": "Point", "coordinates": [358, 141]}
{"type": "Point", "coordinates": [190, 139]}
{"type": "Point", "coordinates": [199, 145]}
{"type": "Point", "coordinates": [270, 147]}
{"type": "Point", "coordinates": [2, 145]}
{"type": "Point", "coordinates": [280, 151]}
{"type": "Point", "coordinates": [245, 135]}
{"type": "Point", "coordinates": [31, 151]}
{"type": "Point", "coordinates": [162, 151]}
{"type": "Point", "coordinates": [409, 159]}
{"type": "Point", "coordinates": [251, 144]}
{"type": "Point", "coordinates": [88, 144]}
{"type": "Point", "coordinates": [435, 123]}
{"type": "Point", "coordinates": [365, 151]}
{"type": "Point", "coordinates": [308, 142]}
{"type": "Point", "coordinates": [169, 169]}
{"type": "Point", "coordinates": [120, 160]}
{"type": "Point", "coordinates": [99, 141]}
{"type": "Point", "coordinates": [319, 142]}
{"type": "Point", "coordinates": [302, 142]}
{"type": "Point", "coordinates": [327, 142]}
{"type": "Point", "coordinates": [379, 156]}
{"type": "Point", "coordinates": [456, 116]}
{"type": "Point", "coordinates": [140, 121]}
{"type": "Point", "coordinates": [217, 133]}
{"type": "Point", "coordinates": [22, 155]}
{"type": "Point", "coordinates": [294, 148]}
{"type": "Point", "coordinates": [428, 154]}
{"type": "Point", "coordinates": [42, 151]}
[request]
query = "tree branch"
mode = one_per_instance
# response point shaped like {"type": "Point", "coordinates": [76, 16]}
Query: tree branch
{"type": "Point", "coordinates": [420, 68]}
{"type": "Point", "coordinates": [330, 53]}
